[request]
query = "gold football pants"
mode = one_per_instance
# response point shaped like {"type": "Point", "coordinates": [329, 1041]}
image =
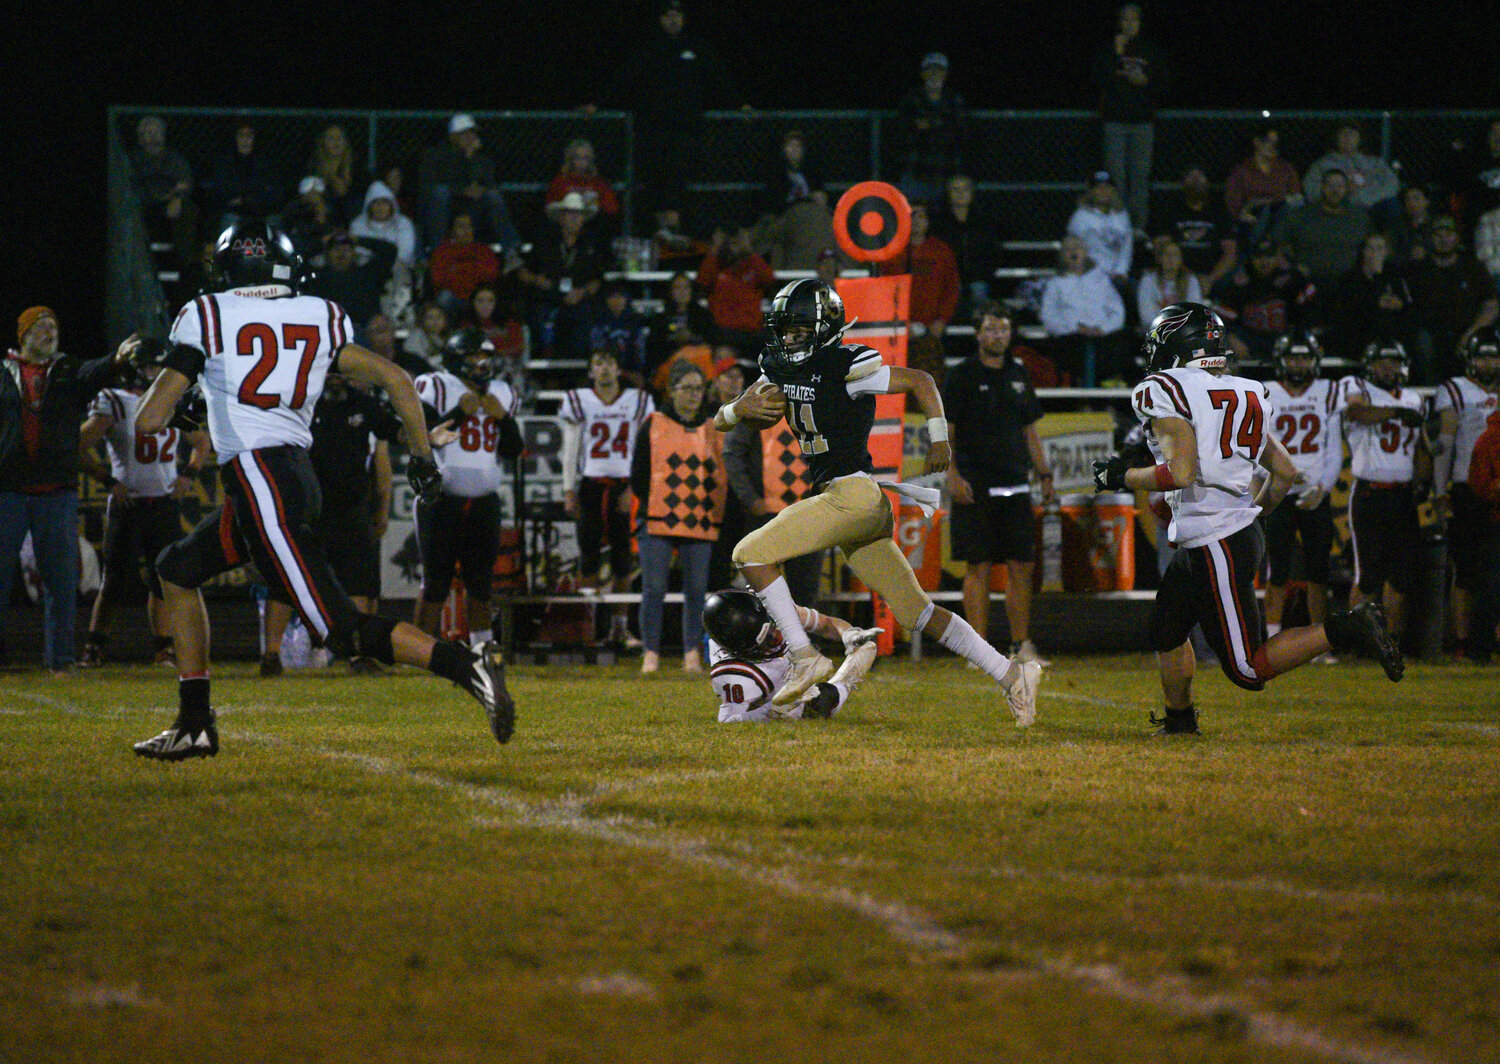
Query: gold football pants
{"type": "Point", "coordinates": [854, 515]}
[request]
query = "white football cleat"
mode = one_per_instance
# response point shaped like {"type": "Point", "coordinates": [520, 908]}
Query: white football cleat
{"type": "Point", "coordinates": [1021, 697]}
{"type": "Point", "coordinates": [858, 637]}
{"type": "Point", "coordinates": [806, 670]}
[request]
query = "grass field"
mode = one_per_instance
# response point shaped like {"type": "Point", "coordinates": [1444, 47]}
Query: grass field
{"type": "Point", "coordinates": [362, 875]}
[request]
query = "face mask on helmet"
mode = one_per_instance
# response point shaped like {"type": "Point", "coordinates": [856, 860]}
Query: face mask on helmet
{"type": "Point", "coordinates": [470, 357]}
{"type": "Point", "coordinates": [1297, 359]}
{"type": "Point", "coordinates": [1482, 359]}
{"type": "Point", "coordinates": [805, 316]}
{"type": "Point", "coordinates": [1385, 365]}
{"type": "Point", "coordinates": [739, 623]}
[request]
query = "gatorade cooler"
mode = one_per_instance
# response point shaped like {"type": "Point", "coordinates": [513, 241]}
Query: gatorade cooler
{"type": "Point", "coordinates": [1098, 542]}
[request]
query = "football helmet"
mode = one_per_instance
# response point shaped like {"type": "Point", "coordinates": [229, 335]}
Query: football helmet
{"type": "Point", "coordinates": [805, 303]}
{"type": "Point", "coordinates": [1301, 346]}
{"type": "Point", "coordinates": [256, 255]}
{"type": "Point", "coordinates": [737, 620]}
{"type": "Point", "coordinates": [149, 356]}
{"type": "Point", "coordinates": [1379, 351]}
{"type": "Point", "coordinates": [1185, 334]}
{"type": "Point", "coordinates": [1482, 356]}
{"type": "Point", "coordinates": [470, 356]}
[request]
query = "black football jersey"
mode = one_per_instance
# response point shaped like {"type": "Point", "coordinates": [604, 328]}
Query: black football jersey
{"type": "Point", "coordinates": [832, 427]}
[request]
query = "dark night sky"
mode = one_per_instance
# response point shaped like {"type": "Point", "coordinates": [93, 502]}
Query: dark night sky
{"type": "Point", "coordinates": [1021, 54]}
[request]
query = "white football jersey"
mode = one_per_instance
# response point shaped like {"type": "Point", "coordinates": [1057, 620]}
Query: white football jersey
{"type": "Point", "coordinates": [1474, 405]}
{"type": "Point", "coordinates": [1387, 450]}
{"type": "Point", "coordinates": [1309, 427]}
{"type": "Point", "coordinates": [609, 429]}
{"type": "Point", "coordinates": [744, 687]}
{"type": "Point", "coordinates": [146, 465]}
{"type": "Point", "coordinates": [1230, 418]}
{"type": "Point", "coordinates": [468, 464]}
{"type": "Point", "coordinates": [265, 363]}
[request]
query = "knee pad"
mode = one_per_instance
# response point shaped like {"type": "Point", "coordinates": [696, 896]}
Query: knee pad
{"type": "Point", "coordinates": [367, 636]}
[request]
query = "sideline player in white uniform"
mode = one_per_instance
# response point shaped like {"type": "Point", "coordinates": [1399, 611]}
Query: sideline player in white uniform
{"type": "Point", "coordinates": [748, 659]}
{"type": "Point", "coordinates": [262, 352]}
{"type": "Point", "coordinates": [1306, 422]}
{"type": "Point", "coordinates": [1387, 456]}
{"type": "Point", "coordinates": [1463, 405]}
{"type": "Point", "coordinates": [1207, 431]}
{"type": "Point", "coordinates": [473, 414]}
{"type": "Point", "coordinates": [141, 515]}
{"type": "Point", "coordinates": [599, 426]}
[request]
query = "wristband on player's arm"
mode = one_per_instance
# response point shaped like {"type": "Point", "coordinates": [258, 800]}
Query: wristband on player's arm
{"type": "Point", "coordinates": [937, 429]}
{"type": "Point", "coordinates": [730, 413]}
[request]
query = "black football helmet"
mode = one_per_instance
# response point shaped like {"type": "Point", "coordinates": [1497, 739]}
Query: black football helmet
{"type": "Point", "coordinates": [149, 356]}
{"type": "Point", "coordinates": [737, 620]}
{"type": "Point", "coordinates": [1300, 345]}
{"type": "Point", "coordinates": [809, 303]}
{"type": "Point", "coordinates": [255, 254]}
{"type": "Point", "coordinates": [1185, 334]}
{"type": "Point", "coordinates": [470, 356]}
{"type": "Point", "coordinates": [1482, 356]}
{"type": "Point", "coordinates": [1379, 350]}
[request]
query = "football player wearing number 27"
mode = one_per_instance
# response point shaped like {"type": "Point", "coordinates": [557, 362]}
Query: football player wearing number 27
{"type": "Point", "coordinates": [262, 353]}
{"type": "Point", "coordinates": [826, 389]}
{"type": "Point", "coordinates": [1208, 431]}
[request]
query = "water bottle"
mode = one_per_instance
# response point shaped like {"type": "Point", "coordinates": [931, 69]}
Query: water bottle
{"type": "Point", "coordinates": [1052, 546]}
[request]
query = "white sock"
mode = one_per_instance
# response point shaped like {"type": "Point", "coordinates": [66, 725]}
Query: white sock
{"type": "Point", "coordinates": [480, 638]}
{"type": "Point", "coordinates": [961, 638]}
{"type": "Point", "coordinates": [1272, 629]}
{"type": "Point", "coordinates": [778, 602]}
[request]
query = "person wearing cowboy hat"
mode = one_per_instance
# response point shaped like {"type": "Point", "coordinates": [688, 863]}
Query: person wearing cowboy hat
{"type": "Point", "coordinates": [562, 275]}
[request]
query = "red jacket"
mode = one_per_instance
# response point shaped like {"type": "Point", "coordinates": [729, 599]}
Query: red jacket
{"type": "Point", "coordinates": [461, 268]}
{"type": "Point", "coordinates": [934, 279]}
{"type": "Point", "coordinates": [1484, 466]}
{"type": "Point", "coordinates": [588, 186]}
{"type": "Point", "coordinates": [735, 290]}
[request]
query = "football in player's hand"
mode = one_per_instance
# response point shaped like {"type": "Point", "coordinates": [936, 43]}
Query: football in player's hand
{"type": "Point", "coordinates": [762, 405]}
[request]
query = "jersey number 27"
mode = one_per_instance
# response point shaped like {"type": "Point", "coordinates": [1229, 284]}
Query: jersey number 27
{"type": "Point", "coordinates": [259, 339]}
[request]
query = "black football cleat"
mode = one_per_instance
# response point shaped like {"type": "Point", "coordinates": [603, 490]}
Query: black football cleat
{"type": "Point", "coordinates": [270, 665]}
{"type": "Point", "coordinates": [485, 680]}
{"type": "Point", "coordinates": [178, 743]}
{"type": "Point", "coordinates": [1176, 722]}
{"type": "Point", "coordinates": [1367, 625]}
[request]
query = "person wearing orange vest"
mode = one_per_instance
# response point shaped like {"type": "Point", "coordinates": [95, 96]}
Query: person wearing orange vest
{"type": "Point", "coordinates": [767, 474]}
{"type": "Point", "coordinates": [677, 472]}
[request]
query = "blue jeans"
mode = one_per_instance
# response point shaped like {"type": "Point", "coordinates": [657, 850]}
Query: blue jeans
{"type": "Point", "coordinates": [1127, 157]}
{"type": "Point", "coordinates": [52, 521]}
{"type": "Point", "coordinates": [491, 217]}
{"type": "Point", "coordinates": [656, 570]}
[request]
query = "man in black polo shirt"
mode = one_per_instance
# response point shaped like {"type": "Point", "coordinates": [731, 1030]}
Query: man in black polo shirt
{"type": "Point", "coordinates": [350, 454]}
{"type": "Point", "coordinates": [992, 416]}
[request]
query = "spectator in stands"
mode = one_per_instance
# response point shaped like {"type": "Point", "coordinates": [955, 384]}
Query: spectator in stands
{"type": "Point", "coordinates": [1484, 482]}
{"type": "Point", "coordinates": [1487, 241]}
{"type": "Point", "coordinates": [1085, 318]}
{"type": "Point", "coordinates": [163, 183]}
{"type": "Point", "coordinates": [460, 264]}
{"type": "Point", "coordinates": [580, 174]}
{"type": "Point", "coordinates": [1452, 296]}
{"type": "Point", "coordinates": [382, 220]}
{"type": "Point", "coordinates": [1168, 282]}
{"type": "Point", "coordinates": [676, 516]}
{"type": "Point", "coordinates": [425, 343]}
{"type": "Point", "coordinates": [736, 281]}
{"type": "Point", "coordinates": [617, 326]}
{"type": "Point", "coordinates": [668, 83]}
{"type": "Point", "coordinates": [562, 273]}
{"type": "Point", "coordinates": [1260, 301]}
{"type": "Point", "coordinates": [1372, 300]}
{"type": "Point", "coordinates": [379, 336]}
{"type": "Point", "coordinates": [352, 276]}
{"type": "Point", "coordinates": [456, 176]}
{"type": "Point", "coordinates": [1409, 234]}
{"type": "Point", "coordinates": [1200, 226]}
{"type": "Point", "coordinates": [683, 314]}
{"type": "Point", "coordinates": [1373, 185]}
{"type": "Point", "coordinates": [935, 291]}
{"type": "Point", "coordinates": [974, 238]}
{"type": "Point", "coordinates": [1481, 193]}
{"type": "Point", "coordinates": [795, 222]}
{"type": "Point", "coordinates": [930, 122]}
{"type": "Point", "coordinates": [1130, 73]}
{"type": "Point", "coordinates": [307, 220]}
{"type": "Point", "coordinates": [332, 159]}
{"type": "Point", "coordinates": [828, 267]}
{"type": "Point", "coordinates": [393, 175]}
{"type": "Point", "coordinates": [1261, 188]}
{"type": "Point", "coordinates": [1103, 224]}
{"type": "Point", "coordinates": [1324, 236]}
{"type": "Point", "coordinates": [501, 330]}
{"type": "Point", "coordinates": [675, 247]}
{"type": "Point", "coordinates": [992, 415]}
{"type": "Point", "coordinates": [242, 183]}
{"type": "Point", "coordinates": [44, 396]}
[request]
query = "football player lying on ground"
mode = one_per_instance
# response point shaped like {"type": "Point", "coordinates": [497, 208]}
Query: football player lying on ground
{"type": "Point", "coordinates": [1207, 432]}
{"type": "Point", "coordinates": [748, 659]}
{"type": "Point", "coordinates": [826, 390]}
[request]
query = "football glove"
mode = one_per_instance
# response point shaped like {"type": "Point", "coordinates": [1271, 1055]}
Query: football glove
{"type": "Point", "coordinates": [426, 481]}
{"type": "Point", "coordinates": [190, 414]}
{"type": "Point", "coordinates": [1409, 417]}
{"type": "Point", "coordinates": [1109, 473]}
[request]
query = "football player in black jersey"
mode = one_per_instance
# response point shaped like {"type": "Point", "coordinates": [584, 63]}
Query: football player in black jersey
{"type": "Point", "coordinates": [826, 389]}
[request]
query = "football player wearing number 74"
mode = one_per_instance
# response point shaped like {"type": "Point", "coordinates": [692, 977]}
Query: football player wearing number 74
{"type": "Point", "coordinates": [826, 390]}
{"type": "Point", "coordinates": [1208, 431]}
